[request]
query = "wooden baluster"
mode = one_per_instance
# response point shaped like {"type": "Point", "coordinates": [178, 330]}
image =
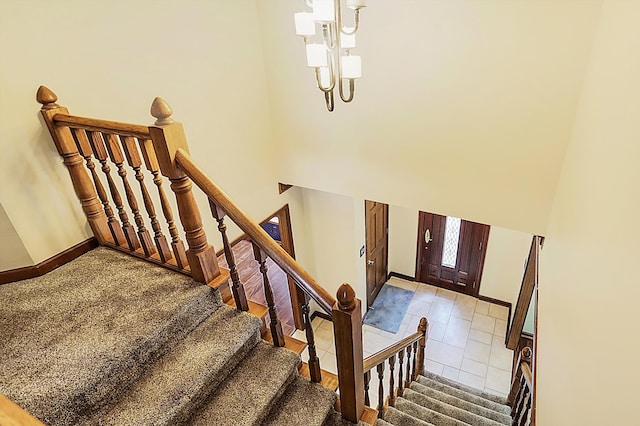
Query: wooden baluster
{"type": "Point", "coordinates": [517, 406]}
{"type": "Point", "coordinates": [85, 150]}
{"type": "Point", "coordinates": [133, 159]}
{"type": "Point", "coordinates": [367, 379]}
{"type": "Point", "coordinates": [414, 362]}
{"type": "Point", "coordinates": [237, 288]}
{"type": "Point", "coordinates": [524, 417]}
{"type": "Point", "coordinates": [347, 326]}
{"type": "Point", "coordinates": [179, 252]}
{"type": "Point", "coordinates": [115, 153]}
{"type": "Point", "coordinates": [409, 376]}
{"type": "Point", "coordinates": [82, 185]}
{"type": "Point", "coordinates": [380, 369]}
{"type": "Point", "coordinates": [168, 137]}
{"type": "Point", "coordinates": [274, 324]}
{"type": "Point", "coordinates": [400, 375]}
{"type": "Point", "coordinates": [392, 387]}
{"type": "Point", "coordinates": [100, 152]}
{"type": "Point", "coordinates": [422, 328]}
{"type": "Point", "coordinates": [314, 362]}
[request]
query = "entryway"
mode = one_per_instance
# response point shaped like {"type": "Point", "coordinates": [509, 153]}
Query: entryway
{"type": "Point", "coordinates": [451, 252]}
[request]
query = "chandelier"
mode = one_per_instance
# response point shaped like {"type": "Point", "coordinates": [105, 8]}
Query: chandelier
{"type": "Point", "coordinates": [329, 52]}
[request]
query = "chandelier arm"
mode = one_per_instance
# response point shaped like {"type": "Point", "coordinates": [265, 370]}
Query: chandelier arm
{"type": "Point", "coordinates": [332, 78]}
{"type": "Point", "coordinates": [329, 100]}
{"type": "Point", "coordinates": [328, 36]}
{"type": "Point", "coordinates": [352, 90]}
{"type": "Point", "coordinates": [356, 26]}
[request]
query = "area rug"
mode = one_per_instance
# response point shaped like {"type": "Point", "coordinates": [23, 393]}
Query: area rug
{"type": "Point", "coordinates": [389, 308]}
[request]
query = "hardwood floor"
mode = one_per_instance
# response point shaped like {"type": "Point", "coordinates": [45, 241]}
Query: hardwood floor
{"type": "Point", "coordinates": [251, 279]}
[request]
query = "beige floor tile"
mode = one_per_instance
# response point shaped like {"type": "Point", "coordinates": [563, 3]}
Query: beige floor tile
{"type": "Point", "coordinates": [437, 330]}
{"type": "Point", "coordinates": [440, 310]}
{"type": "Point", "coordinates": [374, 342]}
{"type": "Point", "coordinates": [316, 322]}
{"type": "Point", "coordinates": [450, 373]}
{"type": "Point", "coordinates": [328, 362]}
{"type": "Point", "coordinates": [447, 294]}
{"type": "Point", "coordinates": [464, 307]}
{"type": "Point", "coordinates": [483, 323]}
{"type": "Point", "coordinates": [501, 328]}
{"type": "Point", "coordinates": [444, 354]}
{"type": "Point", "coordinates": [418, 307]}
{"type": "Point", "coordinates": [501, 357]}
{"type": "Point", "coordinates": [482, 307]}
{"type": "Point", "coordinates": [366, 328]}
{"type": "Point", "coordinates": [471, 380]}
{"type": "Point", "coordinates": [399, 282]}
{"type": "Point", "coordinates": [494, 392]}
{"type": "Point", "coordinates": [477, 351]}
{"type": "Point", "coordinates": [498, 380]}
{"type": "Point", "coordinates": [474, 367]}
{"type": "Point", "coordinates": [434, 367]}
{"type": "Point", "coordinates": [480, 336]}
{"type": "Point", "coordinates": [499, 312]}
{"type": "Point", "coordinates": [457, 332]}
{"type": "Point", "coordinates": [425, 296]}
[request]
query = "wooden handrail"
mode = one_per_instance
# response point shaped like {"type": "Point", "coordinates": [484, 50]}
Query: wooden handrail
{"type": "Point", "coordinates": [384, 354]}
{"type": "Point", "coordinates": [12, 414]}
{"type": "Point", "coordinates": [308, 284]}
{"type": "Point", "coordinates": [526, 373]}
{"type": "Point", "coordinates": [96, 125]}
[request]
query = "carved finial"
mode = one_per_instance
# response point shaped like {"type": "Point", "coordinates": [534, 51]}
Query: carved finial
{"type": "Point", "coordinates": [161, 110]}
{"type": "Point", "coordinates": [422, 327]}
{"type": "Point", "coordinates": [46, 97]}
{"type": "Point", "coordinates": [346, 297]}
{"type": "Point", "coordinates": [526, 353]}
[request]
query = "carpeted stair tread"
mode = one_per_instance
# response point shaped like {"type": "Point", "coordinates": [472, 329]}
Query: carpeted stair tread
{"type": "Point", "coordinates": [381, 422]}
{"type": "Point", "coordinates": [69, 334]}
{"type": "Point", "coordinates": [426, 414]}
{"type": "Point", "coordinates": [458, 402]}
{"type": "Point", "coordinates": [303, 403]}
{"type": "Point", "coordinates": [181, 381]}
{"type": "Point", "coordinates": [335, 419]}
{"type": "Point", "coordinates": [491, 397]}
{"type": "Point", "coordinates": [246, 396]}
{"type": "Point", "coordinates": [448, 410]}
{"type": "Point", "coordinates": [398, 418]}
{"type": "Point", "coordinates": [458, 393]}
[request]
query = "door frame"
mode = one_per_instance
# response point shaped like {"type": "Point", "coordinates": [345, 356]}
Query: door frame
{"type": "Point", "coordinates": [481, 259]}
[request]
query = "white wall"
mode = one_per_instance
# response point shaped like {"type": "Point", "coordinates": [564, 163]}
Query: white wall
{"type": "Point", "coordinates": [13, 254]}
{"type": "Point", "coordinates": [460, 105]}
{"type": "Point", "coordinates": [507, 251]}
{"type": "Point", "coordinates": [403, 231]}
{"type": "Point", "coordinates": [589, 294]}
{"type": "Point", "coordinates": [109, 60]}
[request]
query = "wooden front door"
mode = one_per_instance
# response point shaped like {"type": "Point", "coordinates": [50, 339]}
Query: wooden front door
{"type": "Point", "coordinates": [451, 252]}
{"type": "Point", "coordinates": [376, 217]}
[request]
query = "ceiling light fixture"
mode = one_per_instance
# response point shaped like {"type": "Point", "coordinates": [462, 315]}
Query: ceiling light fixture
{"type": "Point", "coordinates": [331, 56]}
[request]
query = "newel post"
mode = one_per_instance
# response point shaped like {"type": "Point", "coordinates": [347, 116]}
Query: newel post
{"type": "Point", "coordinates": [347, 325]}
{"type": "Point", "coordinates": [423, 328]}
{"type": "Point", "coordinates": [68, 150]}
{"type": "Point", "coordinates": [168, 137]}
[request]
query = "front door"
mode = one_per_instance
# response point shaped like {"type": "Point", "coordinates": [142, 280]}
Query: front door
{"type": "Point", "coordinates": [451, 252]}
{"type": "Point", "coordinates": [376, 217]}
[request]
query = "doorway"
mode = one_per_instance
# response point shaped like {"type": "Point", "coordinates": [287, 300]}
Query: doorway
{"type": "Point", "coordinates": [376, 218]}
{"type": "Point", "coordinates": [451, 252]}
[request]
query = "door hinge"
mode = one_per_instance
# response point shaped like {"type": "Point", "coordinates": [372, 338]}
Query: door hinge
{"type": "Point", "coordinates": [481, 245]}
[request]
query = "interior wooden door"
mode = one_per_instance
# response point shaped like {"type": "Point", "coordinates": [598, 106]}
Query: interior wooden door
{"type": "Point", "coordinates": [376, 217]}
{"type": "Point", "coordinates": [451, 252]}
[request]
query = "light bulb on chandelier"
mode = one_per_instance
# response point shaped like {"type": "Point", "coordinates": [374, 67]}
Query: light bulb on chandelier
{"type": "Point", "coordinates": [331, 56]}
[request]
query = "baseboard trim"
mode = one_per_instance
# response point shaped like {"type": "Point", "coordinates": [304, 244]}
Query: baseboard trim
{"type": "Point", "coordinates": [401, 276]}
{"type": "Point", "coordinates": [50, 264]}
{"type": "Point", "coordinates": [320, 315]}
{"type": "Point", "coordinates": [495, 301]}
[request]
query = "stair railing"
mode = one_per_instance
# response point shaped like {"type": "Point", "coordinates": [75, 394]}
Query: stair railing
{"type": "Point", "coordinates": [521, 394]}
{"type": "Point", "coordinates": [413, 346]}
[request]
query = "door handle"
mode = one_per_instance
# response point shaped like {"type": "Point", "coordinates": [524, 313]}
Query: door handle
{"type": "Point", "coordinates": [370, 262]}
{"type": "Point", "coordinates": [427, 236]}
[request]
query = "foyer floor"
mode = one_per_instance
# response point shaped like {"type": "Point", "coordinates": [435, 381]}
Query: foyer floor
{"type": "Point", "coordinates": [466, 338]}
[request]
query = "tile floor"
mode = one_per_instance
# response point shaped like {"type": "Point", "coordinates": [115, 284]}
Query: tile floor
{"type": "Point", "coordinates": [466, 338]}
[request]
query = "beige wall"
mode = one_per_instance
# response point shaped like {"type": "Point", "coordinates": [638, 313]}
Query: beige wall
{"type": "Point", "coordinates": [589, 294]}
{"type": "Point", "coordinates": [13, 254]}
{"type": "Point", "coordinates": [460, 105]}
{"type": "Point", "coordinates": [109, 60]}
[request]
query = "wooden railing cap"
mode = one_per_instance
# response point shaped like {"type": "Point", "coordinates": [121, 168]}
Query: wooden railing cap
{"type": "Point", "coordinates": [422, 327]}
{"type": "Point", "coordinates": [161, 111]}
{"type": "Point", "coordinates": [46, 97]}
{"type": "Point", "coordinates": [346, 297]}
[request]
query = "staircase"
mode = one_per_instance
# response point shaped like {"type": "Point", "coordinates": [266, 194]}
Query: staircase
{"type": "Point", "coordinates": [435, 400]}
{"type": "Point", "coordinates": [109, 339]}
